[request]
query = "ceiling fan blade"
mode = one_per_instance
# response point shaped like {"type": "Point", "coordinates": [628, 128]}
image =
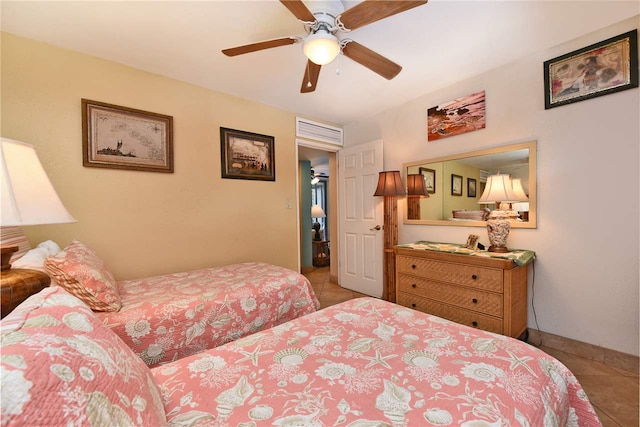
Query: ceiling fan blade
{"type": "Point", "coordinates": [254, 47]}
{"type": "Point", "coordinates": [374, 10]}
{"type": "Point", "coordinates": [299, 10]}
{"type": "Point", "coordinates": [311, 74]}
{"type": "Point", "coordinates": [372, 60]}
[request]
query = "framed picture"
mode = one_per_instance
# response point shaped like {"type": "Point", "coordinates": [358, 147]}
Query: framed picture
{"type": "Point", "coordinates": [472, 241]}
{"type": "Point", "coordinates": [471, 187]}
{"type": "Point", "coordinates": [247, 155]}
{"type": "Point", "coordinates": [125, 138]}
{"type": "Point", "coordinates": [456, 185]}
{"type": "Point", "coordinates": [456, 117]}
{"type": "Point", "coordinates": [602, 68]}
{"type": "Point", "coordinates": [429, 176]}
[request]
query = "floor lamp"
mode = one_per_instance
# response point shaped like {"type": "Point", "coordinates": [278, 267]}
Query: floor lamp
{"type": "Point", "coordinates": [390, 186]}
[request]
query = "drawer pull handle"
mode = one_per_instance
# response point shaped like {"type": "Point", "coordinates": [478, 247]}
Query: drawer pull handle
{"type": "Point", "coordinates": [474, 277]}
{"type": "Point", "coordinates": [474, 323]}
{"type": "Point", "coordinates": [413, 305]}
{"type": "Point", "coordinates": [475, 300]}
{"type": "Point", "coordinates": [413, 266]}
{"type": "Point", "coordinates": [414, 286]}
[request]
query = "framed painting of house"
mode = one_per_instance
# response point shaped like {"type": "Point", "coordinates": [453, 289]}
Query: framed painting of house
{"type": "Point", "coordinates": [599, 69]}
{"type": "Point", "coordinates": [246, 155]}
{"type": "Point", "coordinates": [119, 137]}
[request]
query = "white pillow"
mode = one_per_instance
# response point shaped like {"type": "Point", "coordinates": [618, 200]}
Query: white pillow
{"type": "Point", "coordinates": [34, 258]}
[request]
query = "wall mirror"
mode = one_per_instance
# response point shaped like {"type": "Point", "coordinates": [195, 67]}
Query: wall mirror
{"type": "Point", "coordinates": [456, 182]}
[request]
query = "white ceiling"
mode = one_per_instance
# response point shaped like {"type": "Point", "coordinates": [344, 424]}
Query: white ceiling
{"type": "Point", "coordinates": [437, 44]}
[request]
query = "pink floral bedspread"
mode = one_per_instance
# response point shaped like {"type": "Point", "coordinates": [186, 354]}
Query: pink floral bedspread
{"type": "Point", "coordinates": [368, 362]}
{"type": "Point", "coordinates": [167, 317]}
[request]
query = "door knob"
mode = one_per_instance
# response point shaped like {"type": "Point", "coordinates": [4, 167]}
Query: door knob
{"type": "Point", "coordinates": [376, 228]}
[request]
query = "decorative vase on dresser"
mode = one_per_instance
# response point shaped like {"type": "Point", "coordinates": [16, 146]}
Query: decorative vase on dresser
{"type": "Point", "coordinates": [476, 288]}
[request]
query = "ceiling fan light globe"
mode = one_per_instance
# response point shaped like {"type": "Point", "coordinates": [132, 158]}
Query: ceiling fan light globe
{"type": "Point", "coordinates": [321, 48]}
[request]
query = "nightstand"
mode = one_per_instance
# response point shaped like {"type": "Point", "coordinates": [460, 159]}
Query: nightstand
{"type": "Point", "coordinates": [18, 284]}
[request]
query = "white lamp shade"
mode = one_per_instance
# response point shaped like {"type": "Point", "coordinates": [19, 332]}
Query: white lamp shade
{"type": "Point", "coordinates": [317, 212]}
{"type": "Point", "coordinates": [516, 183]}
{"type": "Point", "coordinates": [498, 189]}
{"type": "Point", "coordinates": [321, 48]}
{"type": "Point", "coordinates": [28, 198]}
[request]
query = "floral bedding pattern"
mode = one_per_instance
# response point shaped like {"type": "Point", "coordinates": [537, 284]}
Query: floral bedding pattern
{"type": "Point", "coordinates": [168, 317]}
{"type": "Point", "coordinates": [61, 366]}
{"type": "Point", "coordinates": [367, 362]}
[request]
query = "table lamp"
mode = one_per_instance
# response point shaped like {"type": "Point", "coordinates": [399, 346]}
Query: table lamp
{"type": "Point", "coordinates": [498, 190]}
{"type": "Point", "coordinates": [390, 186]}
{"type": "Point", "coordinates": [317, 212]}
{"type": "Point", "coordinates": [416, 190]}
{"type": "Point", "coordinates": [28, 198]}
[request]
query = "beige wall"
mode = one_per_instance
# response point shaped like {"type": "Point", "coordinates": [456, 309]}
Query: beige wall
{"type": "Point", "coordinates": [144, 223]}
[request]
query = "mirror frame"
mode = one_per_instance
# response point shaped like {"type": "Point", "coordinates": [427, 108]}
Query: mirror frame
{"type": "Point", "coordinates": [533, 185]}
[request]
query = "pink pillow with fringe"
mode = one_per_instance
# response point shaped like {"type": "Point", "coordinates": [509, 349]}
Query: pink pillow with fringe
{"type": "Point", "coordinates": [79, 270]}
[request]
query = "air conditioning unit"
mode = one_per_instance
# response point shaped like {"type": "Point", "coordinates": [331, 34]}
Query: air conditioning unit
{"type": "Point", "coordinates": [314, 131]}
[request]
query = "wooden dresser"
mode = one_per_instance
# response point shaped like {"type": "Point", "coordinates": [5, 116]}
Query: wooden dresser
{"type": "Point", "coordinates": [486, 293]}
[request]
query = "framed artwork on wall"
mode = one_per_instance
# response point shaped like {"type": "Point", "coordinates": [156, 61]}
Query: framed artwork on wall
{"type": "Point", "coordinates": [429, 176]}
{"type": "Point", "coordinates": [456, 117]}
{"type": "Point", "coordinates": [247, 155]}
{"type": "Point", "coordinates": [119, 137]}
{"type": "Point", "coordinates": [471, 187]}
{"type": "Point", "coordinates": [599, 69]}
{"type": "Point", "coordinates": [456, 185]}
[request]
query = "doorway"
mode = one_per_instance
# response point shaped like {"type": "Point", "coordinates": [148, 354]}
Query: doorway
{"type": "Point", "coordinates": [317, 186]}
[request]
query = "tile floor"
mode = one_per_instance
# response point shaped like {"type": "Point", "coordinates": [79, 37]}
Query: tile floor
{"type": "Point", "coordinates": [613, 392]}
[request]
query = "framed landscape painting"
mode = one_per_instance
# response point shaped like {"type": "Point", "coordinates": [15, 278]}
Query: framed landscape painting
{"type": "Point", "coordinates": [246, 155]}
{"type": "Point", "coordinates": [119, 137]}
{"type": "Point", "coordinates": [599, 69]}
{"type": "Point", "coordinates": [456, 117]}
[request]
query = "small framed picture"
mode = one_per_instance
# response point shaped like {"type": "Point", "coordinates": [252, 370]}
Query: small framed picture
{"type": "Point", "coordinates": [472, 241]}
{"type": "Point", "coordinates": [429, 179]}
{"type": "Point", "coordinates": [246, 155]}
{"type": "Point", "coordinates": [456, 185]}
{"type": "Point", "coordinates": [599, 69]}
{"type": "Point", "coordinates": [471, 187]}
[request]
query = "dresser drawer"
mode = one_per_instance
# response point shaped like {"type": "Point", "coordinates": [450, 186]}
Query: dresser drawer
{"type": "Point", "coordinates": [472, 299]}
{"type": "Point", "coordinates": [459, 315]}
{"type": "Point", "coordinates": [489, 279]}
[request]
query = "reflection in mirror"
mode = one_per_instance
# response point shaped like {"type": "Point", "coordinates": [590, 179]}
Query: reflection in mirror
{"type": "Point", "coordinates": [455, 184]}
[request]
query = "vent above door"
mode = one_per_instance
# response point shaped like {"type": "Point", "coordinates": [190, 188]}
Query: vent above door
{"type": "Point", "coordinates": [315, 131]}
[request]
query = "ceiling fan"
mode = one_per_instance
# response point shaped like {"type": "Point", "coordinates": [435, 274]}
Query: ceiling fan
{"type": "Point", "coordinates": [321, 45]}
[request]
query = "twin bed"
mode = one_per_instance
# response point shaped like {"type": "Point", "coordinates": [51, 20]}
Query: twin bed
{"type": "Point", "coordinates": [167, 317]}
{"type": "Point", "coordinates": [245, 345]}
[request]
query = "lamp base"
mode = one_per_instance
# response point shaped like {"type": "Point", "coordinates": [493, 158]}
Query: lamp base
{"type": "Point", "coordinates": [498, 231]}
{"type": "Point", "coordinates": [5, 257]}
{"type": "Point", "coordinates": [316, 235]}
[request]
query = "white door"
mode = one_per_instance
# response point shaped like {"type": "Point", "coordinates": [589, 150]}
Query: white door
{"type": "Point", "coordinates": [360, 219]}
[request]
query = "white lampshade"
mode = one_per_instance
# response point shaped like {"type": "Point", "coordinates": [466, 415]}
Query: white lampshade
{"type": "Point", "coordinates": [498, 189]}
{"type": "Point", "coordinates": [321, 48]}
{"type": "Point", "coordinates": [28, 198]}
{"type": "Point", "coordinates": [516, 184]}
{"type": "Point", "coordinates": [317, 212]}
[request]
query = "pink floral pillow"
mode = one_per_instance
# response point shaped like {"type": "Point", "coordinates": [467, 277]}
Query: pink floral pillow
{"type": "Point", "coordinates": [79, 270]}
{"type": "Point", "coordinates": [60, 365]}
